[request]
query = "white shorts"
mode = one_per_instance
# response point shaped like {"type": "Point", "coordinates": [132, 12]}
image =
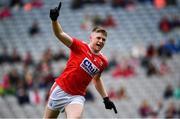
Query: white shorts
{"type": "Point", "coordinates": [59, 99]}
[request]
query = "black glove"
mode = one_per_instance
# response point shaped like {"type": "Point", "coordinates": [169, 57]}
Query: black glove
{"type": "Point", "coordinates": [54, 13]}
{"type": "Point", "coordinates": [109, 104]}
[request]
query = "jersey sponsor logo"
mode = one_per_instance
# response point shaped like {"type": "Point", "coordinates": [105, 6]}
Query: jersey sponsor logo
{"type": "Point", "coordinates": [89, 67]}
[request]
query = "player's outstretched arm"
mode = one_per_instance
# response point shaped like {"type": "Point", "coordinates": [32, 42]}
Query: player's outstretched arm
{"type": "Point", "coordinates": [101, 89]}
{"type": "Point", "coordinates": [98, 83]}
{"type": "Point", "coordinates": [57, 29]}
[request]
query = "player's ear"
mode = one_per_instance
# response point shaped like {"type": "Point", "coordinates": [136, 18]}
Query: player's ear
{"type": "Point", "coordinates": [90, 38]}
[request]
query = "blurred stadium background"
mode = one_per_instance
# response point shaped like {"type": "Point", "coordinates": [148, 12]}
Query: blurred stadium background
{"type": "Point", "coordinates": [142, 48]}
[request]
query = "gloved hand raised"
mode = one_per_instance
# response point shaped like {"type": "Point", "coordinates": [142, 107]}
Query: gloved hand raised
{"type": "Point", "coordinates": [109, 104]}
{"type": "Point", "coordinates": [54, 13]}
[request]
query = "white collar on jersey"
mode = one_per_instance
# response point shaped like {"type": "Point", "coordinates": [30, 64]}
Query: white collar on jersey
{"type": "Point", "coordinates": [93, 51]}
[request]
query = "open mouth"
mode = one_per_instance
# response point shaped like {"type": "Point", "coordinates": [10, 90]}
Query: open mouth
{"type": "Point", "coordinates": [98, 45]}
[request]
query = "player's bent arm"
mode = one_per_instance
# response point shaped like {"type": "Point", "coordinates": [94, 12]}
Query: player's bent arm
{"type": "Point", "coordinates": [99, 85]}
{"type": "Point", "coordinates": [101, 89]}
{"type": "Point", "coordinates": [60, 34]}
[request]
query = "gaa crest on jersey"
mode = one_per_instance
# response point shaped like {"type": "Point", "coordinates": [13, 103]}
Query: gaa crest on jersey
{"type": "Point", "coordinates": [89, 67]}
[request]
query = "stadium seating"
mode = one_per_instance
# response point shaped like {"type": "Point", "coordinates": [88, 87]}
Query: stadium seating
{"type": "Point", "coordinates": [133, 27]}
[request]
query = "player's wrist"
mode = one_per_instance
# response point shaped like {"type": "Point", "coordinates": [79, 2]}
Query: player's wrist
{"type": "Point", "coordinates": [106, 99]}
{"type": "Point", "coordinates": [54, 20]}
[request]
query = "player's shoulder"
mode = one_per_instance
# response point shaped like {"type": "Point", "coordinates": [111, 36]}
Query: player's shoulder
{"type": "Point", "coordinates": [79, 41]}
{"type": "Point", "coordinates": [103, 56]}
{"type": "Point", "coordinates": [104, 59]}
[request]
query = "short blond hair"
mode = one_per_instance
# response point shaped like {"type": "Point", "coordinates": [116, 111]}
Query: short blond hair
{"type": "Point", "coordinates": [99, 29]}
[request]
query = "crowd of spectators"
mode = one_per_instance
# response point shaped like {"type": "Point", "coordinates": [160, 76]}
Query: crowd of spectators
{"type": "Point", "coordinates": [33, 75]}
{"type": "Point", "coordinates": [6, 8]}
{"type": "Point", "coordinates": [164, 51]}
{"type": "Point", "coordinates": [164, 105]}
{"type": "Point", "coordinates": [125, 4]}
{"type": "Point", "coordinates": [12, 57]}
{"type": "Point", "coordinates": [153, 59]}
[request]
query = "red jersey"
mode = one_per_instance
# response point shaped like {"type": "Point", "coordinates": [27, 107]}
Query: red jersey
{"type": "Point", "coordinates": [82, 65]}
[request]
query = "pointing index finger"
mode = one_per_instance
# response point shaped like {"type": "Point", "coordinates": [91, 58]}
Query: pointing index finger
{"type": "Point", "coordinates": [59, 6]}
{"type": "Point", "coordinates": [115, 110]}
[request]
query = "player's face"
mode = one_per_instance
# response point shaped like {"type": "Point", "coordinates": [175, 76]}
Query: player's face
{"type": "Point", "coordinates": [97, 41]}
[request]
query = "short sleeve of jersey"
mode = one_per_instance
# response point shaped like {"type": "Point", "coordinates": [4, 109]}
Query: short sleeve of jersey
{"type": "Point", "coordinates": [105, 63]}
{"type": "Point", "coordinates": [76, 45]}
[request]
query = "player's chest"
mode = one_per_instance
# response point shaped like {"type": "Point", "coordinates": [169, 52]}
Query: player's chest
{"type": "Point", "coordinates": [94, 59]}
{"type": "Point", "coordinates": [89, 61]}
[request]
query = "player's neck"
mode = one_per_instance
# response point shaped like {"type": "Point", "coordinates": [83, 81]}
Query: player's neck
{"type": "Point", "coordinates": [92, 50]}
